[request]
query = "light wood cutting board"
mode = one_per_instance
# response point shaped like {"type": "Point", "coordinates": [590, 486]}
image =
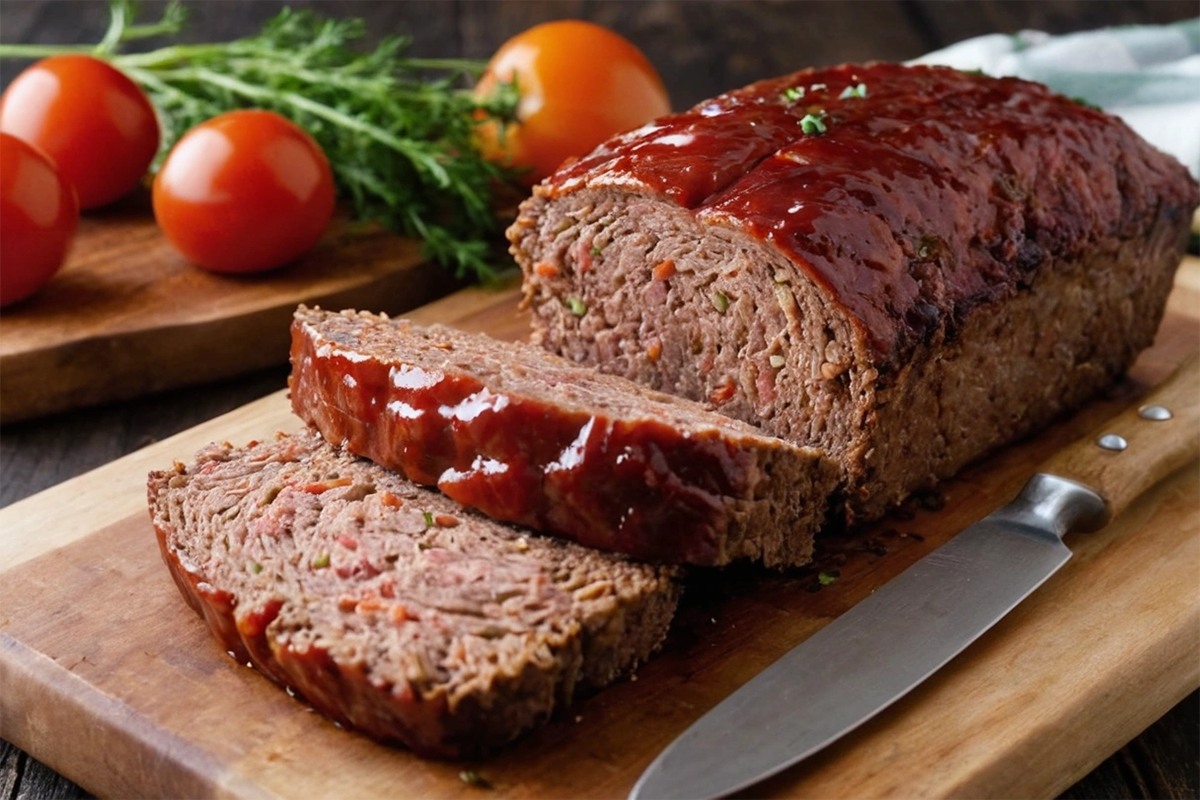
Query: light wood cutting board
{"type": "Point", "coordinates": [111, 679]}
{"type": "Point", "coordinates": [127, 315]}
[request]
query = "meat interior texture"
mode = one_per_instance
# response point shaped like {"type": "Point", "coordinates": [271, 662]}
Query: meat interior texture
{"type": "Point", "coordinates": [531, 438]}
{"type": "Point", "coordinates": [388, 606]}
{"type": "Point", "coordinates": [904, 266]}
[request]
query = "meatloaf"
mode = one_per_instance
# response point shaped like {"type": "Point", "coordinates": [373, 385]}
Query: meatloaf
{"type": "Point", "coordinates": [903, 266]}
{"type": "Point", "coordinates": [531, 438]}
{"type": "Point", "coordinates": [389, 607]}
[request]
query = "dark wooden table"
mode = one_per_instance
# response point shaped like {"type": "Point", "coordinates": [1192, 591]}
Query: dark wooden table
{"type": "Point", "coordinates": [700, 48]}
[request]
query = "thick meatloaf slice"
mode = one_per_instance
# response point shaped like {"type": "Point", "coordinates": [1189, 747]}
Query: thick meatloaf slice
{"type": "Point", "coordinates": [388, 606]}
{"type": "Point", "coordinates": [904, 266]}
{"type": "Point", "coordinates": [531, 438]}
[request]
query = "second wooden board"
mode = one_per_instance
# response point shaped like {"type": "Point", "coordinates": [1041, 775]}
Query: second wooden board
{"type": "Point", "coordinates": [127, 315]}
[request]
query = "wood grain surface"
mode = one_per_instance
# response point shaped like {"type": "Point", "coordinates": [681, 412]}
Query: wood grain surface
{"type": "Point", "coordinates": [128, 315]}
{"type": "Point", "coordinates": [127, 694]}
{"type": "Point", "coordinates": [700, 48]}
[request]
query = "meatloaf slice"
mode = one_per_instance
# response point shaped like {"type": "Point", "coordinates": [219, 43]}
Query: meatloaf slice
{"type": "Point", "coordinates": [387, 605]}
{"type": "Point", "coordinates": [531, 438]}
{"type": "Point", "coordinates": [904, 266]}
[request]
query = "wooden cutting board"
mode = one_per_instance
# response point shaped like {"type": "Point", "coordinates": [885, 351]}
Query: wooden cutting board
{"type": "Point", "coordinates": [128, 315]}
{"type": "Point", "coordinates": [111, 679]}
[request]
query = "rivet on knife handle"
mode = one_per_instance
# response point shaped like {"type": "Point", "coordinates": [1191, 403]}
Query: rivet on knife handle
{"type": "Point", "coordinates": [1135, 450]}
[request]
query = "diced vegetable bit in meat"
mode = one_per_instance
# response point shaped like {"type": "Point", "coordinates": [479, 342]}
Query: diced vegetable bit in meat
{"type": "Point", "coordinates": [473, 778]}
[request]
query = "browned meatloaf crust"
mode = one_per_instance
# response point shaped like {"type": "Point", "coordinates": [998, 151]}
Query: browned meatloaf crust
{"type": "Point", "coordinates": [388, 606]}
{"type": "Point", "coordinates": [906, 279]}
{"type": "Point", "coordinates": [531, 438]}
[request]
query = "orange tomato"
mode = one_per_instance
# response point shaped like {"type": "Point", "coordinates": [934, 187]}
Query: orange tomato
{"type": "Point", "coordinates": [243, 192]}
{"type": "Point", "coordinates": [90, 118]}
{"type": "Point", "coordinates": [579, 84]}
{"type": "Point", "coordinates": [38, 217]}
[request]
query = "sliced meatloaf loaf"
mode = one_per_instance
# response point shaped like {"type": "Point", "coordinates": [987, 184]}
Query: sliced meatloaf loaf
{"type": "Point", "coordinates": [904, 266]}
{"type": "Point", "coordinates": [388, 606]}
{"type": "Point", "coordinates": [531, 438]}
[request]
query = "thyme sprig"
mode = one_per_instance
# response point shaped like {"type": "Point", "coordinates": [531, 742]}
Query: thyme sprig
{"type": "Point", "coordinates": [399, 131]}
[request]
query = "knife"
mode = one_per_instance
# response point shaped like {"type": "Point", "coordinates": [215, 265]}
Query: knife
{"type": "Point", "coordinates": [883, 647]}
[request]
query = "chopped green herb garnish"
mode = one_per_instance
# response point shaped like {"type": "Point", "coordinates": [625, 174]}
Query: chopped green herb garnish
{"type": "Point", "coordinates": [321, 561]}
{"type": "Point", "coordinates": [255, 567]}
{"type": "Point", "coordinates": [928, 247]}
{"type": "Point", "coordinates": [972, 71]}
{"type": "Point", "coordinates": [1082, 101]}
{"type": "Point", "coordinates": [793, 94]}
{"type": "Point", "coordinates": [720, 302]}
{"type": "Point", "coordinates": [473, 778]}
{"type": "Point", "coordinates": [826, 578]}
{"type": "Point", "coordinates": [853, 91]}
{"type": "Point", "coordinates": [595, 250]}
{"type": "Point", "coordinates": [1009, 187]}
{"type": "Point", "coordinates": [577, 306]}
{"type": "Point", "coordinates": [428, 519]}
{"type": "Point", "coordinates": [813, 125]}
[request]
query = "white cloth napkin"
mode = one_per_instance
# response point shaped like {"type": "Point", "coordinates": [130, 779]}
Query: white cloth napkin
{"type": "Point", "coordinates": [1149, 75]}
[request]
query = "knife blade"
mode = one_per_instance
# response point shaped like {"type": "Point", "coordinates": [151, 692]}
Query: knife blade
{"type": "Point", "coordinates": [886, 645]}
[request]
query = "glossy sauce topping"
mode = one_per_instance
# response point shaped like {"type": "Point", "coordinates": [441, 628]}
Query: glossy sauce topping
{"type": "Point", "coordinates": [910, 194]}
{"type": "Point", "coordinates": [638, 485]}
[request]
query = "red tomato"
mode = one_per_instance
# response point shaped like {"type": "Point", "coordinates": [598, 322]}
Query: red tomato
{"type": "Point", "coordinates": [38, 216]}
{"type": "Point", "coordinates": [579, 84]}
{"type": "Point", "coordinates": [95, 123]}
{"type": "Point", "coordinates": [243, 192]}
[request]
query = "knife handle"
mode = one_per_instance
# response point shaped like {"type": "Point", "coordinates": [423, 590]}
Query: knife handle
{"type": "Point", "coordinates": [1139, 447]}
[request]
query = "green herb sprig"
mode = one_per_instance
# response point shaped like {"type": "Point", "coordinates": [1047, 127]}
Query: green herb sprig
{"type": "Point", "coordinates": [399, 132]}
